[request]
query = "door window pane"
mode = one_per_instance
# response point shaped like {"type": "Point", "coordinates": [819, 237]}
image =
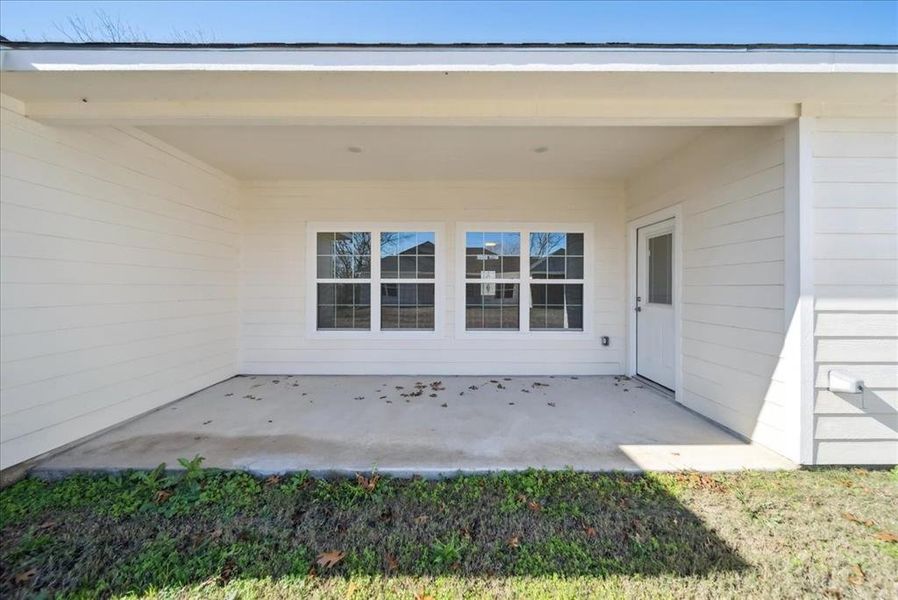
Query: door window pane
{"type": "Point", "coordinates": [660, 267]}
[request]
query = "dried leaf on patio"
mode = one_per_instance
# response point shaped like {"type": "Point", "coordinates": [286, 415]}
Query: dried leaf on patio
{"type": "Point", "coordinates": [854, 519]}
{"type": "Point", "coordinates": [887, 536]}
{"type": "Point", "coordinates": [857, 576]}
{"type": "Point", "coordinates": [25, 576]}
{"type": "Point", "coordinates": [552, 404]}
{"type": "Point", "coordinates": [329, 559]}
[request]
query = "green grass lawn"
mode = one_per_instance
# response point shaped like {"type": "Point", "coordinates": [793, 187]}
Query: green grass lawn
{"type": "Point", "coordinates": [203, 534]}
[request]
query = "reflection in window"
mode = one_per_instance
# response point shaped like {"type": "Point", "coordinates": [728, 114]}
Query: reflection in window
{"type": "Point", "coordinates": [407, 267]}
{"type": "Point", "coordinates": [556, 306]}
{"type": "Point", "coordinates": [492, 274]}
{"type": "Point", "coordinates": [406, 306]}
{"type": "Point", "coordinates": [492, 305]}
{"type": "Point", "coordinates": [556, 256]}
{"type": "Point", "coordinates": [344, 306]}
{"type": "Point", "coordinates": [343, 259]}
{"type": "Point", "coordinates": [344, 255]}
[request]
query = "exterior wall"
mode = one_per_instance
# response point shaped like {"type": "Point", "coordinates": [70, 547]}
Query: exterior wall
{"type": "Point", "coordinates": [730, 182]}
{"type": "Point", "coordinates": [119, 268]}
{"type": "Point", "coordinates": [855, 249]}
{"type": "Point", "coordinates": [277, 336]}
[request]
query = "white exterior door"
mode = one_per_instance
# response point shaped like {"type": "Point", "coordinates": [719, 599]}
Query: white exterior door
{"type": "Point", "coordinates": [655, 285]}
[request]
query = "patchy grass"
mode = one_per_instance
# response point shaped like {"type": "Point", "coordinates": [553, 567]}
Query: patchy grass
{"type": "Point", "coordinates": [201, 534]}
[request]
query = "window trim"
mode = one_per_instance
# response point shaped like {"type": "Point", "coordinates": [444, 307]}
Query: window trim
{"type": "Point", "coordinates": [375, 229]}
{"type": "Point", "coordinates": [525, 229]}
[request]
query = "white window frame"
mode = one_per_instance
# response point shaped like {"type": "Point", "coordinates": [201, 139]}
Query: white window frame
{"type": "Point", "coordinates": [375, 229]}
{"type": "Point", "coordinates": [525, 229]}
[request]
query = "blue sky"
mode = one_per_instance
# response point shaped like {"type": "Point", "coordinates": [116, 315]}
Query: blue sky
{"type": "Point", "coordinates": [645, 21]}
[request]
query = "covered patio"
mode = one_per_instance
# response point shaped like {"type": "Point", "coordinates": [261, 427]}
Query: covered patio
{"type": "Point", "coordinates": [420, 425]}
{"type": "Point", "coordinates": [319, 258]}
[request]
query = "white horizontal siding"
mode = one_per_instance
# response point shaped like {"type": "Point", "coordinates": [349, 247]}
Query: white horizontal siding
{"type": "Point", "coordinates": [856, 283]}
{"type": "Point", "coordinates": [274, 289]}
{"type": "Point", "coordinates": [119, 280]}
{"type": "Point", "coordinates": [731, 186]}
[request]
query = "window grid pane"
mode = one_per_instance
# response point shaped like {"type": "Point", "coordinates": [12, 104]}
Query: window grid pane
{"type": "Point", "coordinates": [556, 258]}
{"type": "Point", "coordinates": [556, 255]}
{"type": "Point", "coordinates": [407, 255]}
{"type": "Point", "coordinates": [556, 306]}
{"type": "Point", "coordinates": [344, 256]}
{"type": "Point", "coordinates": [344, 306]}
{"type": "Point", "coordinates": [407, 306]}
{"type": "Point", "coordinates": [490, 304]}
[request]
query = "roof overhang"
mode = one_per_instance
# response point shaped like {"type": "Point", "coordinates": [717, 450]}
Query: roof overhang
{"type": "Point", "coordinates": [570, 84]}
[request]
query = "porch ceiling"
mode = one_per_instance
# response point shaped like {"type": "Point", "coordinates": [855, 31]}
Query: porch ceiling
{"type": "Point", "coordinates": [423, 153]}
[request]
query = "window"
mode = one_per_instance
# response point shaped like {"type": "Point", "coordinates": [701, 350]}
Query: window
{"type": "Point", "coordinates": [660, 269]}
{"type": "Point", "coordinates": [344, 280]}
{"type": "Point", "coordinates": [492, 280]}
{"type": "Point", "coordinates": [404, 275]}
{"type": "Point", "coordinates": [556, 281]}
{"type": "Point", "coordinates": [407, 261]}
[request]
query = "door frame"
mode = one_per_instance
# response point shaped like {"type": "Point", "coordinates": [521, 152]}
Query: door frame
{"type": "Point", "coordinates": [674, 212]}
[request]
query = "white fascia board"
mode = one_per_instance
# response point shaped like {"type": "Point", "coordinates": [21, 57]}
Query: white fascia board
{"type": "Point", "coordinates": [480, 60]}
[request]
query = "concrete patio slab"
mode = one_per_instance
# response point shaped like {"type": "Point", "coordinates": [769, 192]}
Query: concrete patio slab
{"type": "Point", "coordinates": [419, 425]}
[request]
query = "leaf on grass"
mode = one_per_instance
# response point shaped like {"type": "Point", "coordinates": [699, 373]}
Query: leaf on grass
{"type": "Point", "coordinates": [421, 519]}
{"type": "Point", "coordinates": [534, 506]}
{"type": "Point", "coordinates": [422, 595]}
{"type": "Point", "coordinates": [590, 532]}
{"type": "Point", "coordinates": [854, 519]}
{"type": "Point", "coordinates": [328, 559]}
{"type": "Point", "coordinates": [47, 525]}
{"type": "Point", "coordinates": [273, 480]}
{"type": "Point", "coordinates": [368, 484]}
{"type": "Point", "coordinates": [25, 576]}
{"type": "Point", "coordinates": [857, 576]}
{"type": "Point", "coordinates": [887, 537]}
{"type": "Point", "coordinates": [161, 496]}
{"type": "Point", "coordinates": [514, 542]}
{"type": "Point", "coordinates": [392, 563]}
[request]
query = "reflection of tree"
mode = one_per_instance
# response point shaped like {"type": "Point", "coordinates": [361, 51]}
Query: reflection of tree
{"type": "Point", "coordinates": [352, 253]}
{"type": "Point", "coordinates": [542, 243]}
